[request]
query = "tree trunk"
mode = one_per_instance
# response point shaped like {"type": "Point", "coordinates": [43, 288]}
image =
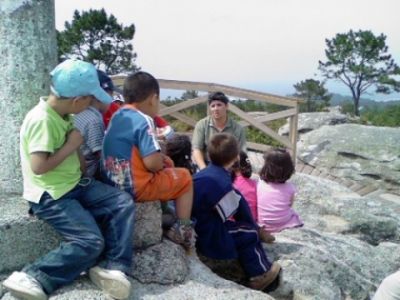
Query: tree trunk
{"type": "Point", "coordinates": [356, 106]}
{"type": "Point", "coordinates": [28, 50]}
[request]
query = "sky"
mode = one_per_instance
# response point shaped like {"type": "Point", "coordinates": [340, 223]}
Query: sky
{"type": "Point", "coordinates": [264, 45]}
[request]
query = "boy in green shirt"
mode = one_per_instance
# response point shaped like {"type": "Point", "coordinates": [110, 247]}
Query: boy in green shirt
{"type": "Point", "coordinates": [93, 218]}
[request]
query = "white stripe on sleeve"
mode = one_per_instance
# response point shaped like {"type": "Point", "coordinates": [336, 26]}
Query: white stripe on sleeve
{"type": "Point", "coordinates": [228, 205]}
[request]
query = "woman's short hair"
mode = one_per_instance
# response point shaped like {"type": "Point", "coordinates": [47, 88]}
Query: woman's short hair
{"type": "Point", "coordinates": [278, 166]}
{"type": "Point", "coordinates": [219, 96]}
{"type": "Point", "coordinates": [223, 148]}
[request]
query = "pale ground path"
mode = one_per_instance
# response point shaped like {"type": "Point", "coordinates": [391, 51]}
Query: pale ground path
{"type": "Point", "coordinates": [390, 200]}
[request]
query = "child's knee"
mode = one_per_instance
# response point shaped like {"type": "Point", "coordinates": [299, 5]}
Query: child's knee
{"type": "Point", "coordinates": [124, 201]}
{"type": "Point", "coordinates": [92, 246]}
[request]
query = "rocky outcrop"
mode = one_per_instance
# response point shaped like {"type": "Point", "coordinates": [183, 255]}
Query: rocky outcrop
{"type": "Point", "coordinates": [200, 283]}
{"type": "Point", "coordinates": [367, 154]}
{"type": "Point", "coordinates": [347, 246]}
{"type": "Point", "coordinates": [311, 121]}
{"type": "Point", "coordinates": [24, 238]}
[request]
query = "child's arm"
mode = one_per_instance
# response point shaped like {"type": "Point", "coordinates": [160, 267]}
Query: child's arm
{"type": "Point", "coordinates": [82, 161]}
{"type": "Point", "coordinates": [43, 162]}
{"type": "Point", "coordinates": [199, 159]}
{"type": "Point", "coordinates": [293, 193]}
{"type": "Point", "coordinates": [168, 162]}
{"type": "Point", "coordinates": [154, 162]}
{"type": "Point", "coordinates": [292, 200]}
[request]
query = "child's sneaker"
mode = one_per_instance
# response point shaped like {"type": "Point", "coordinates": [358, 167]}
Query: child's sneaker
{"type": "Point", "coordinates": [182, 234]}
{"type": "Point", "coordinates": [262, 281]}
{"type": "Point", "coordinates": [24, 286]}
{"type": "Point", "coordinates": [114, 282]}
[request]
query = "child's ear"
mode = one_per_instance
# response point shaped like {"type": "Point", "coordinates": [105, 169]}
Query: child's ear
{"type": "Point", "coordinates": [155, 98]}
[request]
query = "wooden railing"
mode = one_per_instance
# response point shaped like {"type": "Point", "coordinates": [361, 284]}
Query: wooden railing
{"type": "Point", "coordinates": [246, 119]}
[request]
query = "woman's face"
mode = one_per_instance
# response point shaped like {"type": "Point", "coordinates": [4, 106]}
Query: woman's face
{"type": "Point", "coordinates": [218, 110]}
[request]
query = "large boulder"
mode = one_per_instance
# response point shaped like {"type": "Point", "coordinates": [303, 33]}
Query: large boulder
{"type": "Point", "coordinates": [164, 263]}
{"type": "Point", "coordinates": [200, 283]}
{"type": "Point", "coordinates": [311, 121]}
{"type": "Point", "coordinates": [367, 154]}
{"type": "Point", "coordinates": [24, 238]}
{"type": "Point", "coordinates": [347, 246]}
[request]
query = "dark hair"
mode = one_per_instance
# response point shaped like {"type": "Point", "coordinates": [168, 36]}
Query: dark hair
{"type": "Point", "coordinates": [223, 149]}
{"type": "Point", "coordinates": [278, 166]}
{"type": "Point", "coordinates": [139, 86]}
{"type": "Point", "coordinates": [218, 96]}
{"type": "Point", "coordinates": [243, 165]}
{"type": "Point", "coordinates": [179, 149]}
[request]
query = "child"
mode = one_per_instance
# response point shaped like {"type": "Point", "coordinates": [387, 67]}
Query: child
{"type": "Point", "coordinates": [90, 124]}
{"type": "Point", "coordinates": [75, 208]}
{"type": "Point", "coordinates": [275, 196]}
{"type": "Point", "coordinates": [215, 202]}
{"type": "Point", "coordinates": [242, 181]}
{"type": "Point", "coordinates": [163, 129]}
{"type": "Point", "coordinates": [241, 172]}
{"type": "Point", "coordinates": [179, 149]}
{"type": "Point", "coordinates": [133, 161]}
{"type": "Point", "coordinates": [118, 101]}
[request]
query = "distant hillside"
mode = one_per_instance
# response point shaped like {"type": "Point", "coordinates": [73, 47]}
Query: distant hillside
{"type": "Point", "coordinates": [337, 99]}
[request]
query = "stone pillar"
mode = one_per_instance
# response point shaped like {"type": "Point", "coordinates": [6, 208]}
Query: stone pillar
{"type": "Point", "coordinates": [28, 52]}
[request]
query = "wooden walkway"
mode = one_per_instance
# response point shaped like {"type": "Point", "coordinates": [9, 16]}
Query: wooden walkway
{"type": "Point", "coordinates": [257, 161]}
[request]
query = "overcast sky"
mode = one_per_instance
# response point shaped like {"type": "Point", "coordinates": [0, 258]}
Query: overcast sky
{"type": "Point", "coordinates": [267, 45]}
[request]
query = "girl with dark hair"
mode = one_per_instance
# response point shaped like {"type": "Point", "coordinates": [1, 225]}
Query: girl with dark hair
{"type": "Point", "coordinates": [242, 181]}
{"type": "Point", "coordinates": [247, 186]}
{"type": "Point", "coordinates": [179, 149]}
{"type": "Point", "coordinates": [275, 195]}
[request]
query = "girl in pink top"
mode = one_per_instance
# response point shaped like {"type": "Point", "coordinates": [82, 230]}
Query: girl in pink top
{"type": "Point", "coordinates": [275, 196]}
{"type": "Point", "coordinates": [241, 173]}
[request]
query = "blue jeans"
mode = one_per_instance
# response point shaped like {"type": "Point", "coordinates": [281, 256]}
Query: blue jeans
{"type": "Point", "coordinates": [95, 221]}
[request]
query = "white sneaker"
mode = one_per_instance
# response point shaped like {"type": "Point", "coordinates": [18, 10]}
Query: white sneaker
{"type": "Point", "coordinates": [115, 283]}
{"type": "Point", "coordinates": [24, 286]}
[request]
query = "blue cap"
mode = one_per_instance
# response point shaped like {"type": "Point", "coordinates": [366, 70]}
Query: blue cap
{"type": "Point", "coordinates": [74, 78]}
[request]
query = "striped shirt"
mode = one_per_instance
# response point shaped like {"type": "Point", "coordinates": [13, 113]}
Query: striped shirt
{"type": "Point", "coordinates": [90, 124]}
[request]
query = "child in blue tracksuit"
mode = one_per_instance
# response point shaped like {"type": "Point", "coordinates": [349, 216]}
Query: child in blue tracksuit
{"type": "Point", "coordinates": [225, 228]}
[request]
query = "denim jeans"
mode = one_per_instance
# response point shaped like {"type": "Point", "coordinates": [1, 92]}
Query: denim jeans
{"type": "Point", "coordinates": [95, 221]}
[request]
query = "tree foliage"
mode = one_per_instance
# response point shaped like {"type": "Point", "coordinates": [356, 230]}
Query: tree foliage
{"type": "Point", "coordinates": [95, 37]}
{"type": "Point", "coordinates": [388, 116]}
{"type": "Point", "coordinates": [189, 94]}
{"type": "Point", "coordinates": [360, 60]}
{"type": "Point", "coordinates": [315, 94]}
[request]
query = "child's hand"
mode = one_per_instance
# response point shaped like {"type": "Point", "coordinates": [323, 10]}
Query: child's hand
{"type": "Point", "coordinates": [265, 236]}
{"type": "Point", "coordinates": [74, 139]}
{"type": "Point", "coordinates": [168, 162]}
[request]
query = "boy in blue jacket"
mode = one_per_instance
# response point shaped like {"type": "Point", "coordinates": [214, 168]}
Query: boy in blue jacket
{"type": "Point", "coordinates": [225, 228]}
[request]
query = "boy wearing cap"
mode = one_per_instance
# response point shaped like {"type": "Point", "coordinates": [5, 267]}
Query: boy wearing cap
{"type": "Point", "coordinates": [133, 160]}
{"type": "Point", "coordinates": [74, 207]}
{"type": "Point", "coordinates": [91, 126]}
{"type": "Point", "coordinates": [217, 122]}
